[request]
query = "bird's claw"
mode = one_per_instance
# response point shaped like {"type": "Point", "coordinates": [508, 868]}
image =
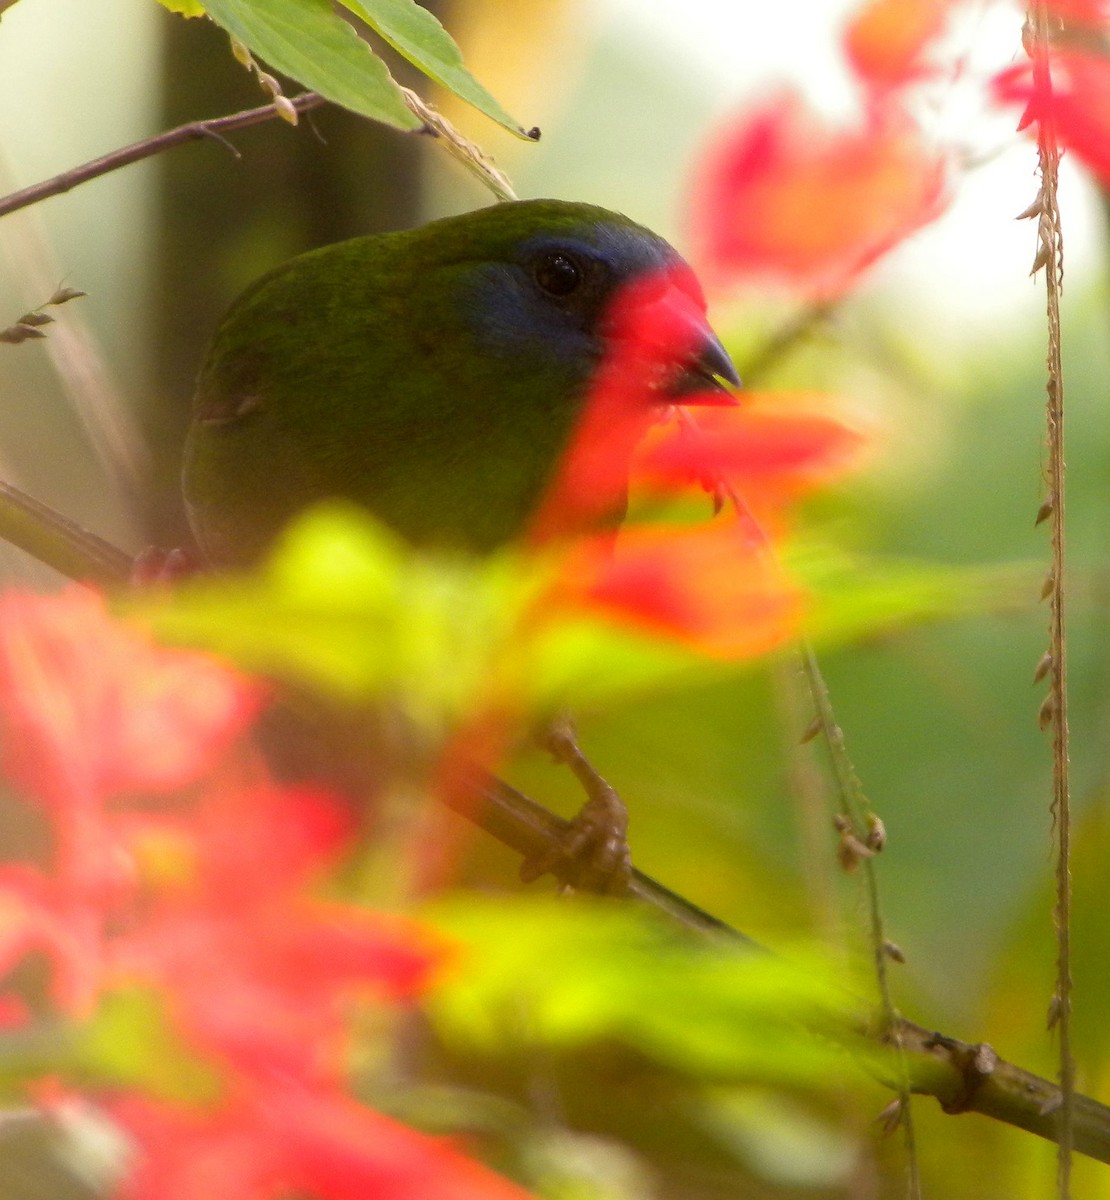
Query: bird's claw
{"type": "Point", "coordinates": [592, 853]}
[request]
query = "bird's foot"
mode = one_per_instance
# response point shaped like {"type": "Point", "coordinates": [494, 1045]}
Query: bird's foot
{"type": "Point", "coordinates": [154, 566]}
{"type": "Point", "coordinates": [592, 854]}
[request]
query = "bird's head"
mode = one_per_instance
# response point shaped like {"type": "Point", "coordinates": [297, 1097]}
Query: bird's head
{"type": "Point", "coordinates": [562, 284]}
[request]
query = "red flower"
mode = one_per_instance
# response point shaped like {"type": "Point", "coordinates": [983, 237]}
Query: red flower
{"type": "Point", "coordinates": [88, 703]}
{"type": "Point", "coordinates": [286, 1140]}
{"type": "Point", "coordinates": [783, 196]}
{"type": "Point", "coordinates": [711, 587]}
{"type": "Point", "coordinates": [1076, 101]}
{"type": "Point", "coordinates": [260, 973]}
{"type": "Point", "coordinates": [771, 448]}
{"type": "Point", "coordinates": [90, 709]}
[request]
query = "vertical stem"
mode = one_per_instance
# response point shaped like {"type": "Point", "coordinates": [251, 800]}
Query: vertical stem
{"type": "Point", "coordinates": [857, 813]}
{"type": "Point", "coordinates": [1050, 256]}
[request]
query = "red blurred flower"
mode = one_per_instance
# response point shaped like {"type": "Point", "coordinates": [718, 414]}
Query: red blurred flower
{"type": "Point", "coordinates": [285, 1140]}
{"type": "Point", "coordinates": [1076, 100]}
{"type": "Point", "coordinates": [784, 196]}
{"type": "Point", "coordinates": [88, 703]}
{"type": "Point", "coordinates": [209, 902]}
{"type": "Point", "coordinates": [262, 974]}
{"type": "Point", "coordinates": [714, 588]}
{"type": "Point", "coordinates": [772, 447]}
{"type": "Point", "coordinates": [90, 709]}
{"type": "Point", "coordinates": [710, 587]}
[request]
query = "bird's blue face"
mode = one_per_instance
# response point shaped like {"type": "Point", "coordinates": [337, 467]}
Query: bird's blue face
{"type": "Point", "coordinates": [546, 301]}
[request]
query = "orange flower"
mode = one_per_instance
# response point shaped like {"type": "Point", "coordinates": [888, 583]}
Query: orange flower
{"type": "Point", "coordinates": [283, 1140]}
{"type": "Point", "coordinates": [886, 41]}
{"type": "Point", "coordinates": [709, 587]}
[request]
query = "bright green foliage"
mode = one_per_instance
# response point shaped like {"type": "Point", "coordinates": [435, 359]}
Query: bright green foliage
{"type": "Point", "coordinates": [542, 972]}
{"type": "Point", "coordinates": [707, 1035]}
{"type": "Point", "coordinates": [305, 39]}
{"type": "Point", "coordinates": [861, 596]}
{"type": "Point", "coordinates": [131, 1042]}
{"type": "Point", "coordinates": [187, 8]}
{"type": "Point", "coordinates": [346, 608]}
{"type": "Point", "coordinates": [413, 32]}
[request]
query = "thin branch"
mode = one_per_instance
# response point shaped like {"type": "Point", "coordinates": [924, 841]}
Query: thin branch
{"type": "Point", "coordinates": [785, 340]}
{"type": "Point", "coordinates": [5, 5]}
{"type": "Point", "coordinates": [58, 542]}
{"type": "Point", "coordinates": [861, 838]}
{"type": "Point", "coordinates": [1054, 711]}
{"type": "Point", "coordinates": [193, 131]}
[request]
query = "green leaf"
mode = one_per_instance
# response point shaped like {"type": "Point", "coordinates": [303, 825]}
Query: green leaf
{"type": "Point", "coordinates": [131, 1041]}
{"type": "Point", "coordinates": [857, 596]}
{"type": "Point", "coordinates": [416, 35]}
{"type": "Point", "coordinates": [187, 8]}
{"type": "Point", "coordinates": [308, 41]}
{"type": "Point", "coordinates": [543, 973]}
{"type": "Point", "coordinates": [343, 607]}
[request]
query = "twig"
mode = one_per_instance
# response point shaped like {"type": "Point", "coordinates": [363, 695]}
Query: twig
{"type": "Point", "coordinates": [193, 131]}
{"type": "Point", "coordinates": [59, 543]}
{"type": "Point", "coordinates": [784, 340]}
{"type": "Point", "coordinates": [861, 838]}
{"type": "Point", "coordinates": [1054, 711]}
{"type": "Point", "coordinates": [5, 5]}
{"type": "Point", "coordinates": [861, 832]}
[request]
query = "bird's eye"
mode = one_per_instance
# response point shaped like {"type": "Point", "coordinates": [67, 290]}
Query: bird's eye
{"type": "Point", "coordinates": [558, 274]}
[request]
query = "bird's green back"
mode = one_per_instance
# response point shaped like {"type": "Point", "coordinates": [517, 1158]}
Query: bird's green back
{"type": "Point", "coordinates": [422, 374]}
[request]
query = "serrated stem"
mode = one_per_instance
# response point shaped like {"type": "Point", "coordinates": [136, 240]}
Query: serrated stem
{"type": "Point", "coordinates": [1050, 256]}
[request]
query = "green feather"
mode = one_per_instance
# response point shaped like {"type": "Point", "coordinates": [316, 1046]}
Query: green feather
{"type": "Point", "coordinates": [423, 374]}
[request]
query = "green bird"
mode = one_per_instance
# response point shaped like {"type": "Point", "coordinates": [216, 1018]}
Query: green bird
{"type": "Point", "coordinates": [435, 377]}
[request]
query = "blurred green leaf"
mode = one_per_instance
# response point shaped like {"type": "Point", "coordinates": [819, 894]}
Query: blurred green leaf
{"type": "Point", "coordinates": [130, 1041]}
{"type": "Point", "coordinates": [860, 596]}
{"type": "Point", "coordinates": [345, 608]}
{"type": "Point", "coordinates": [781, 1139]}
{"type": "Point", "coordinates": [307, 40]}
{"type": "Point", "coordinates": [416, 34]}
{"type": "Point", "coordinates": [187, 8]}
{"type": "Point", "coordinates": [545, 972]}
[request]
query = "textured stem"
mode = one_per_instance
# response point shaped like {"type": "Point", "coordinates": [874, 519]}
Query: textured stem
{"type": "Point", "coordinates": [1054, 713]}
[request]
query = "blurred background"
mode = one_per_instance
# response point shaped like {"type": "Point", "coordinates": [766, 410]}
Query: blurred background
{"type": "Point", "coordinates": [939, 355]}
